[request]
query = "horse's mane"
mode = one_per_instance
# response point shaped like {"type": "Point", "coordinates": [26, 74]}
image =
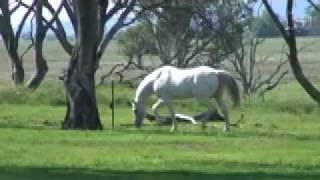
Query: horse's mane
{"type": "Point", "coordinates": [150, 77]}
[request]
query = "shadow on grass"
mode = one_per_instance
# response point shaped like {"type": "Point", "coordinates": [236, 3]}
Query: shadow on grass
{"type": "Point", "coordinates": [38, 173]}
{"type": "Point", "coordinates": [219, 133]}
{"type": "Point", "coordinates": [164, 130]}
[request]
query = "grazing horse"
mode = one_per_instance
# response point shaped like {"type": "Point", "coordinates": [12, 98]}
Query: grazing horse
{"type": "Point", "coordinates": [169, 83]}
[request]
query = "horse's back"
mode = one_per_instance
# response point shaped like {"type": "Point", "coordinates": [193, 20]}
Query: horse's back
{"type": "Point", "coordinates": [206, 81]}
{"type": "Point", "coordinates": [199, 82]}
{"type": "Point", "coordinates": [172, 82]}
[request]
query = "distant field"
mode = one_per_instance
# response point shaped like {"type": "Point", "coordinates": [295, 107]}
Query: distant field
{"type": "Point", "coordinates": [57, 58]}
{"type": "Point", "coordinates": [308, 54]}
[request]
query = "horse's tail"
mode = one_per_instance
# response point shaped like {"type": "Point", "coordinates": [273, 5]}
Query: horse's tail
{"type": "Point", "coordinates": [231, 85]}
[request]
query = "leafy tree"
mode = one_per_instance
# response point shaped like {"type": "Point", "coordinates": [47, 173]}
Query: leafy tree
{"type": "Point", "coordinates": [134, 43]}
{"type": "Point", "coordinates": [312, 21]}
{"type": "Point", "coordinates": [265, 26]}
{"type": "Point", "coordinates": [185, 34]}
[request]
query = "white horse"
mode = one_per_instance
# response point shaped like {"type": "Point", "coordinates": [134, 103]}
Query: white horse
{"type": "Point", "coordinates": [169, 83]}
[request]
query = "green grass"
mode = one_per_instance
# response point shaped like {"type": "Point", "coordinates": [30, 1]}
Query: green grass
{"type": "Point", "coordinates": [278, 139]}
{"type": "Point", "coordinates": [52, 154]}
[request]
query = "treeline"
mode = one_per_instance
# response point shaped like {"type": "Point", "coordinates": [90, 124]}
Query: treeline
{"type": "Point", "coordinates": [308, 26]}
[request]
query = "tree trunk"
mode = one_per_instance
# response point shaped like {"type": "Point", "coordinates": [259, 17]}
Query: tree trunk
{"type": "Point", "coordinates": [303, 80]}
{"type": "Point", "coordinates": [41, 67]}
{"type": "Point", "coordinates": [294, 61]}
{"type": "Point", "coordinates": [290, 38]}
{"type": "Point", "coordinates": [82, 110]}
{"type": "Point", "coordinates": [140, 61]}
{"type": "Point", "coordinates": [9, 39]}
{"type": "Point", "coordinates": [17, 70]}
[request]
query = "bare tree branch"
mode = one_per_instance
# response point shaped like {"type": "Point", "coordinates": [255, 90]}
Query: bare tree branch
{"type": "Point", "coordinates": [115, 28]}
{"type": "Point", "coordinates": [24, 18]}
{"type": "Point", "coordinates": [314, 5]}
{"type": "Point", "coordinates": [272, 75]}
{"type": "Point", "coordinates": [275, 84]}
{"type": "Point", "coordinates": [16, 7]}
{"type": "Point", "coordinates": [71, 14]}
{"type": "Point", "coordinates": [55, 15]}
{"type": "Point", "coordinates": [59, 30]}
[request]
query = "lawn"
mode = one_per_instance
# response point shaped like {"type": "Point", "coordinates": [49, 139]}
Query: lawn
{"type": "Point", "coordinates": [278, 139]}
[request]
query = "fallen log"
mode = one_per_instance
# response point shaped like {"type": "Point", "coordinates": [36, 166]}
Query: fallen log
{"type": "Point", "coordinates": [166, 120]}
{"type": "Point", "coordinates": [209, 116]}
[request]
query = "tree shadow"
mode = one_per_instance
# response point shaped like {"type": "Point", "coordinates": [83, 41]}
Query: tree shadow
{"type": "Point", "coordinates": [219, 132]}
{"type": "Point", "coordinates": [39, 173]}
{"type": "Point", "coordinates": [152, 129]}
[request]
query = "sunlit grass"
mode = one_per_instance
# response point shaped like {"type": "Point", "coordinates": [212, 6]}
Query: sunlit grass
{"type": "Point", "coordinates": [278, 139]}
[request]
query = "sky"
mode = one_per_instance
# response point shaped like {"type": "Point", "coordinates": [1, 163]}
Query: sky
{"type": "Point", "coordinates": [278, 5]}
{"type": "Point", "coordinates": [299, 7]}
{"type": "Point", "coordinates": [17, 16]}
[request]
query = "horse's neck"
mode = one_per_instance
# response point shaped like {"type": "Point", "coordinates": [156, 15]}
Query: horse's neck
{"type": "Point", "coordinates": [144, 91]}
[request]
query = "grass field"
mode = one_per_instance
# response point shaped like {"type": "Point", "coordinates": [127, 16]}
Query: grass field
{"type": "Point", "coordinates": [278, 139]}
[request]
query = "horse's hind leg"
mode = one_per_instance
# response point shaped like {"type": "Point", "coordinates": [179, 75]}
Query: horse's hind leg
{"type": "Point", "coordinates": [211, 108]}
{"type": "Point", "coordinates": [172, 113]}
{"type": "Point", "coordinates": [224, 110]}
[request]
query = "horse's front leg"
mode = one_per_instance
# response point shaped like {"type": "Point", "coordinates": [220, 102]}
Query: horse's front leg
{"type": "Point", "coordinates": [225, 114]}
{"type": "Point", "coordinates": [155, 109]}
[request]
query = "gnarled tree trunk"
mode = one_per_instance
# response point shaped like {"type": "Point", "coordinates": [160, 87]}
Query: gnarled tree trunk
{"type": "Point", "coordinates": [9, 39]}
{"type": "Point", "coordinates": [41, 67]}
{"type": "Point", "coordinates": [294, 61]}
{"type": "Point", "coordinates": [82, 110]}
{"type": "Point", "coordinates": [17, 70]}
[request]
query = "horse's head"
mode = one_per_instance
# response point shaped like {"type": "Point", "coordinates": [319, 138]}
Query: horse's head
{"type": "Point", "coordinates": [138, 112]}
